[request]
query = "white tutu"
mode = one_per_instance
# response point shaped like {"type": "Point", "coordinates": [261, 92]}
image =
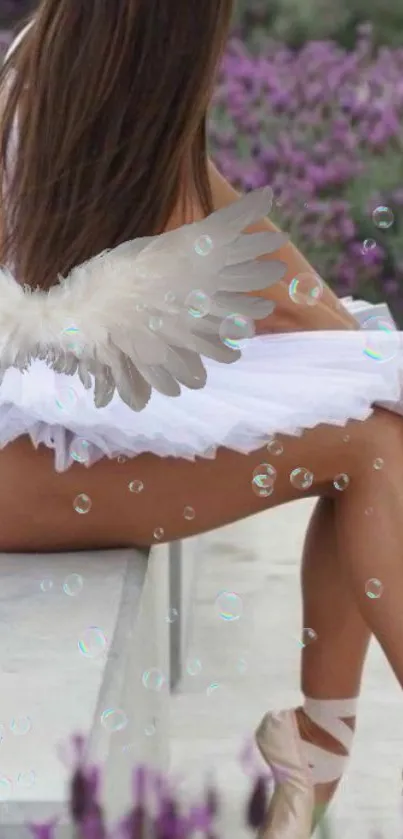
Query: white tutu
{"type": "Point", "coordinates": [282, 384]}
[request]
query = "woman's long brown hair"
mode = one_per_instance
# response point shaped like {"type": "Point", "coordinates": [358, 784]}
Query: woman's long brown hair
{"type": "Point", "coordinates": [111, 97]}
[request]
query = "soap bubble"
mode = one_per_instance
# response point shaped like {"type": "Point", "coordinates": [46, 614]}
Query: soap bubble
{"type": "Point", "coordinates": [274, 447]}
{"type": "Point", "coordinates": [80, 451]}
{"type": "Point", "coordinates": [66, 398]}
{"type": "Point", "coordinates": [73, 585]}
{"type": "Point", "coordinates": [153, 679]}
{"type": "Point", "coordinates": [204, 245]}
{"type": "Point", "coordinates": [234, 329]}
{"type": "Point", "coordinates": [341, 482]}
{"type": "Point", "coordinates": [301, 478]}
{"type": "Point", "coordinates": [382, 343]}
{"type": "Point", "coordinates": [20, 725]}
{"type": "Point", "coordinates": [378, 463]}
{"type": "Point", "coordinates": [189, 513]}
{"type": "Point", "coordinates": [308, 636]}
{"type": "Point", "coordinates": [82, 504]}
{"type": "Point", "coordinates": [368, 245]}
{"type": "Point", "coordinates": [150, 729]}
{"type": "Point", "coordinates": [306, 289]}
{"type": "Point", "coordinates": [136, 486]}
{"type": "Point", "coordinates": [26, 779]}
{"type": "Point", "coordinates": [373, 588]}
{"type": "Point", "coordinates": [383, 217]}
{"type": "Point", "coordinates": [122, 459]}
{"type": "Point", "coordinates": [46, 584]}
{"type": "Point", "coordinates": [194, 667]}
{"type": "Point", "coordinates": [172, 616]}
{"type": "Point", "coordinates": [263, 480]}
{"type": "Point", "coordinates": [212, 688]}
{"type": "Point", "coordinates": [114, 719]}
{"type": "Point", "coordinates": [159, 533]}
{"type": "Point", "coordinates": [229, 606]}
{"type": "Point", "coordinates": [155, 323]}
{"type": "Point", "coordinates": [93, 642]}
{"type": "Point", "coordinates": [242, 666]}
{"type": "Point", "coordinates": [198, 304]}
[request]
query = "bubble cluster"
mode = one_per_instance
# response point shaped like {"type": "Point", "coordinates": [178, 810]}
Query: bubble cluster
{"type": "Point", "coordinates": [341, 482]}
{"type": "Point", "coordinates": [235, 329]}
{"type": "Point", "coordinates": [301, 478]}
{"type": "Point", "coordinates": [20, 726]}
{"type": "Point", "coordinates": [153, 679]}
{"type": "Point", "coordinates": [373, 588]}
{"type": "Point", "coordinates": [229, 606]}
{"type": "Point", "coordinates": [263, 479]}
{"type": "Point", "coordinates": [383, 217]}
{"type": "Point", "coordinates": [93, 642]}
{"type": "Point", "coordinates": [82, 504]}
{"type": "Point", "coordinates": [80, 451]}
{"type": "Point", "coordinates": [73, 585]}
{"type": "Point", "coordinates": [114, 719]}
{"type": "Point", "coordinates": [306, 289]}
{"type": "Point", "coordinates": [204, 245]}
{"type": "Point", "coordinates": [308, 636]}
{"type": "Point", "coordinates": [274, 447]}
{"type": "Point", "coordinates": [194, 667]}
{"type": "Point", "coordinates": [198, 304]}
{"type": "Point", "coordinates": [46, 584]}
{"type": "Point", "coordinates": [136, 486]}
{"type": "Point", "coordinates": [172, 616]}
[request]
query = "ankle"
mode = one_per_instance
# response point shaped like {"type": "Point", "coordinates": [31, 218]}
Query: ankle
{"type": "Point", "coordinates": [312, 733]}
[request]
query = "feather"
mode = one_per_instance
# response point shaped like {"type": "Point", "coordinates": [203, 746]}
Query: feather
{"type": "Point", "coordinates": [128, 319]}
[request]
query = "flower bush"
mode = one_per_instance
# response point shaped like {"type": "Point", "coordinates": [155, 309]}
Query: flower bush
{"type": "Point", "coordinates": [323, 127]}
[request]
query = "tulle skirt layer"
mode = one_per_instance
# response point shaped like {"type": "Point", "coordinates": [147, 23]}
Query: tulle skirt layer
{"type": "Point", "coordinates": [282, 384]}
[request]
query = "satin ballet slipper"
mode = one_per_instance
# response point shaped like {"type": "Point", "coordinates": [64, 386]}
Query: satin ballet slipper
{"type": "Point", "coordinates": [297, 766]}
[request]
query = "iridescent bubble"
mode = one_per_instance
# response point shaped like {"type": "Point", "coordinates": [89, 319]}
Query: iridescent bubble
{"type": "Point", "coordinates": [346, 438]}
{"type": "Point", "coordinates": [378, 463]}
{"type": "Point", "coordinates": [368, 245]}
{"type": "Point", "coordinates": [6, 787]}
{"type": "Point", "coordinates": [155, 323]}
{"type": "Point", "coordinates": [82, 504]}
{"type": "Point", "coordinates": [150, 729]}
{"type": "Point", "coordinates": [189, 513]}
{"type": "Point", "coordinates": [20, 725]}
{"type": "Point", "coordinates": [194, 667]}
{"type": "Point", "coordinates": [212, 688]}
{"type": "Point", "coordinates": [234, 329]}
{"type": "Point", "coordinates": [229, 606]}
{"type": "Point", "coordinates": [301, 478]}
{"type": "Point", "coordinates": [66, 398]}
{"type": "Point", "coordinates": [274, 447]}
{"type": "Point", "coordinates": [172, 616]}
{"type": "Point", "coordinates": [373, 588]}
{"type": "Point", "coordinates": [308, 636]}
{"type": "Point", "coordinates": [80, 451]}
{"type": "Point", "coordinates": [114, 719]}
{"type": "Point", "coordinates": [159, 533]}
{"type": "Point", "coordinates": [136, 486]}
{"type": "Point", "coordinates": [263, 480]}
{"type": "Point", "coordinates": [93, 642]}
{"type": "Point", "coordinates": [341, 482]}
{"type": "Point", "coordinates": [122, 459]}
{"type": "Point", "coordinates": [204, 245]}
{"type": "Point", "coordinates": [383, 217]}
{"type": "Point", "coordinates": [73, 585]}
{"type": "Point", "coordinates": [382, 341]}
{"type": "Point", "coordinates": [198, 303]}
{"type": "Point", "coordinates": [170, 297]}
{"type": "Point", "coordinates": [306, 289]}
{"type": "Point", "coordinates": [26, 779]}
{"type": "Point", "coordinates": [153, 679]}
{"type": "Point", "coordinates": [46, 584]}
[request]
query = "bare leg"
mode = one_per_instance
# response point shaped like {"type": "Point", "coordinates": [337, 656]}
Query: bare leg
{"type": "Point", "coordinates": [332, 665]}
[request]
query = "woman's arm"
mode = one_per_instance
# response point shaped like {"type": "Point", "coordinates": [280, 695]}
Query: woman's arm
{"type": "Point", "coordinates": [288, 316]}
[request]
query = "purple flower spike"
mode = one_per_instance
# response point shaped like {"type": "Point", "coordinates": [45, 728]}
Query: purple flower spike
{"type": "Point", "coordinates": [141, 777]}
{"type": "Point", "coordinates": [44, 831]}
{"type": "Point", "coordinates": [257, 807]}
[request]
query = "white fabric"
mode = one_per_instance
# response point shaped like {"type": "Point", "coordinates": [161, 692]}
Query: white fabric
{"type": "Point", "coordinates": [330, 715]}
{"type": "Point", "coordinates": [282, 383]}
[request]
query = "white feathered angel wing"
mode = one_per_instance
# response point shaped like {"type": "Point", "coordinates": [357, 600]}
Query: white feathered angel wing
{"type": "Point", "coordinates": [142, 315]}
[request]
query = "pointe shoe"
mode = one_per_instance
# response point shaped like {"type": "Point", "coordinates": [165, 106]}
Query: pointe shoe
{"type": "Point", "coordinates": [298, 765]}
